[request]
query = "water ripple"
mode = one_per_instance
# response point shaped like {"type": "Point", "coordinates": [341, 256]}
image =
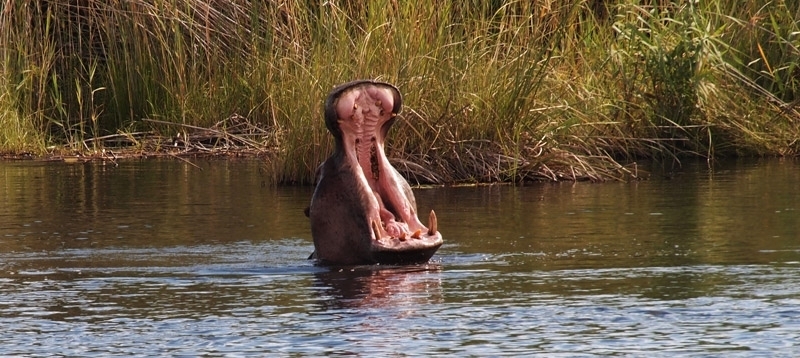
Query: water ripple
{"type": "Point", "coordinates": [463, 308]}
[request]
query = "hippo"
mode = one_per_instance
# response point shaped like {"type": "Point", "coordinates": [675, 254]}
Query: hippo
{"type": "Point", "coordinates": [362, 210]}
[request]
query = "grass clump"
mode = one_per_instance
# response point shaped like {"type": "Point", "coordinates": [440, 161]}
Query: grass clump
{"type": "Point", "coordinates": [494, 91]}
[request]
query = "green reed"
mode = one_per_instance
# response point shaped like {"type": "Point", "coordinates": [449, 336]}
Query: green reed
{"type": "Point", "coordinates": [510, 90]}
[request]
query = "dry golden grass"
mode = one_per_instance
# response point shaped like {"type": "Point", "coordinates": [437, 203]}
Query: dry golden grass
{"type": "Point", "coordinates": [512, 91]}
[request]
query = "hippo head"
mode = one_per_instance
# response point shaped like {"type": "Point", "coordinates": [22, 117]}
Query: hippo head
{"type": "Point", "coordinates": [363, 211]}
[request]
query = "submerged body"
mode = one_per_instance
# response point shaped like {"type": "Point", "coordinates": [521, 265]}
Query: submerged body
{"type": "Point", "coordinates": [363, 211]}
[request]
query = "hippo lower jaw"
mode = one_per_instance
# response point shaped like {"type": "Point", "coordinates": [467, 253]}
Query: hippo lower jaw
{"type": "Point", "coordinates": [363, 211]}
{"type": "Point", "coordinates": [407, 247]}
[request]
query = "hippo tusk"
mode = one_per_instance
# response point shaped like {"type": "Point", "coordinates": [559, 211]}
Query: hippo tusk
{"type": "Point", "coordinates": [432, 225]}
{"type": "Point", "coordinates": [376, 230]}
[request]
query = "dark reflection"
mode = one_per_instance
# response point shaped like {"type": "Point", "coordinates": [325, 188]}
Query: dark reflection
{"type": "Point", "coordinates": [379, 286]}
{"type": "Point", "coordinates": [155, 203]}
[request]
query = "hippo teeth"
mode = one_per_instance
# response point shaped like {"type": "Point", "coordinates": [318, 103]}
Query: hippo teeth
{"type": "Point", "coordinates": [376, 230]}
{"type": "Point", "coordinates": [432, 225]}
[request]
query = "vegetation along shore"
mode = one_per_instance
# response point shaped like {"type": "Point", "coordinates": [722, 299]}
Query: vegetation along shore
{"type": "Point", "coordinates": [494, 90]}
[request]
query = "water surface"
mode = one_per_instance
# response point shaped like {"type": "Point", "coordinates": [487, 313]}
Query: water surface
{"type": "Point", "coordinates": [166, 258]}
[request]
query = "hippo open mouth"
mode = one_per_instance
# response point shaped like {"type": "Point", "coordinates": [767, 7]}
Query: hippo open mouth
{"type": "Point", "coordinates": [363, 211]}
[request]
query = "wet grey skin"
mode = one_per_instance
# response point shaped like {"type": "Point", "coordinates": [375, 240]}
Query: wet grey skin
{"type": "Point", "coordinates": [363, 211]}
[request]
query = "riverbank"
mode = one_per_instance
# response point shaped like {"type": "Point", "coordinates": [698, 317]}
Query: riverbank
{"type": "Point", "coordinates": [512, 91]}
{"type": "Point", "coordinates": [237, 138]}
{"type": "Point", "coordinates": [232, 137]}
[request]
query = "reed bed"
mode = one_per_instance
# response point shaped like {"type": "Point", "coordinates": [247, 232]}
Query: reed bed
{"type": "Point", "coordinates": [498, 91]}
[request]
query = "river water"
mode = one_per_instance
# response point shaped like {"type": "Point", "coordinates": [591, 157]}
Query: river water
{"type": "Point", "coordinates": [167, 258]}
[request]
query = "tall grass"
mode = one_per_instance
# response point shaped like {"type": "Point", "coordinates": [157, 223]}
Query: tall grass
{"type": "Point", "coordinates": [505, 90]}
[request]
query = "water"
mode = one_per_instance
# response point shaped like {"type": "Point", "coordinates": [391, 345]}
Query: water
{"type": "Point", "coordinates": [162, 258]}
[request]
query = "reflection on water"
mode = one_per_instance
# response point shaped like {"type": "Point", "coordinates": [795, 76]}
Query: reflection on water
{"type": "Point", "coordinates": [378, 287]}
{"type": "Point", "coordinates": [163, 258]}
